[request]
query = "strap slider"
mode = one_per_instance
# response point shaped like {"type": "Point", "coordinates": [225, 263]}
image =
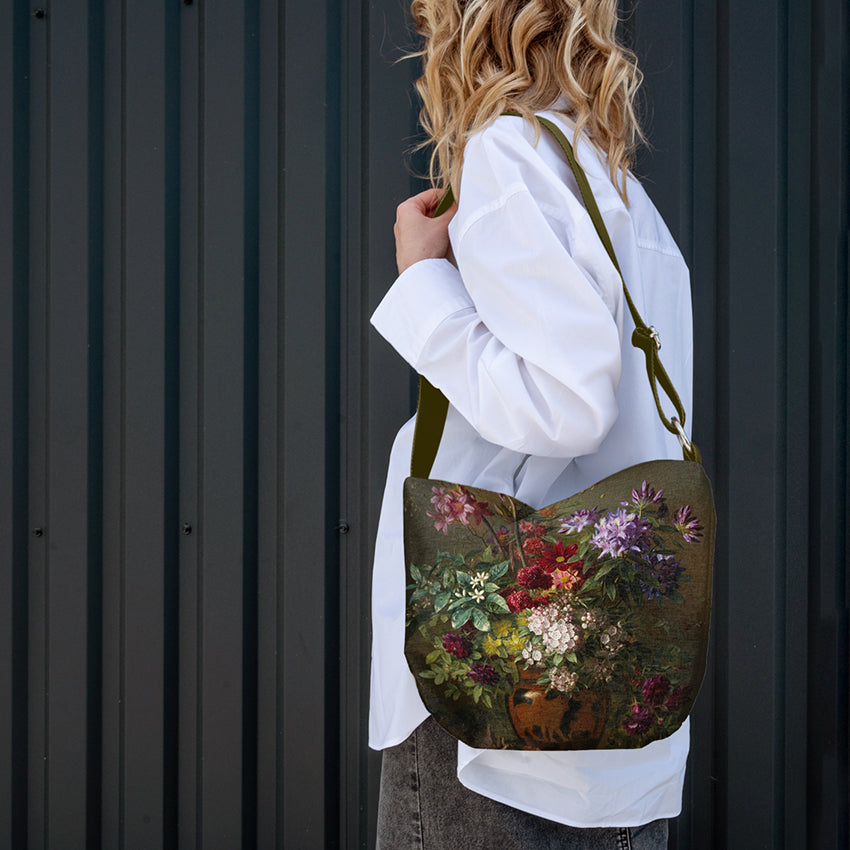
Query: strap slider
{"type": "Point", "coordinates": [686, 444]}
{"type": "Point", "coordinates": [654, 335]}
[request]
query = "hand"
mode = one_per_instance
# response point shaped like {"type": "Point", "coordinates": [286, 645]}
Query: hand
{"type": "Point", "coordinates": [419, 236]}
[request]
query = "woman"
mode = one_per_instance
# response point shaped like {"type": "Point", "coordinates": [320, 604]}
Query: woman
{"type": "Point", "coordinates": [523, 330]}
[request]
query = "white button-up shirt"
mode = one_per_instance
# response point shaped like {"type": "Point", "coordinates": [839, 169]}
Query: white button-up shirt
{"type": "Point", "coordinates": [528, 336]}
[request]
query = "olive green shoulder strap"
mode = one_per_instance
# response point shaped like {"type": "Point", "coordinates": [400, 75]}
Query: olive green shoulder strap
{"type": "Point", "coordinates": [433, 405]}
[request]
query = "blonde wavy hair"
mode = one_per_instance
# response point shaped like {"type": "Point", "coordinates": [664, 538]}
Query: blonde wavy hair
{"type": "Point", "coordinates": [484, 57]}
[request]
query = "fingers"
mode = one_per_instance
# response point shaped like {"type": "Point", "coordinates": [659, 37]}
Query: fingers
{"type": "Point", "coordinates": [422, 204]}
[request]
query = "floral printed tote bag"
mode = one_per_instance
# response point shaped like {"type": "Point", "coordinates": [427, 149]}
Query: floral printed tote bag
{"type": "Point", "coordinates": [582, 625]}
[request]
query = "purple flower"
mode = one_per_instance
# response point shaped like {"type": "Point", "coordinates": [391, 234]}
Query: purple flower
{"type": "Point", "coordinates": [456, 645]}
{"type": "Point", "coordinates": [687, 524]}
{"type": "Point", "coordinates": [655, 689]}
{"type": "Point", "coordinates": [621, 532]}
{"type": "Point", "coordinates": [483, 674]}
{"type": "Point", "coordinates": [578, 520]}
{"type": "Point", "coordinates": [665, 570]}
{"type": "Point", "coordinates": [639, 721]}
{"type": "Point", "coordinates": [645, 496]}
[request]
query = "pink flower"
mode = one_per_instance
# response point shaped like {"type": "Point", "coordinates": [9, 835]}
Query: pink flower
{"type": "Point", "coordinates": [456, 505]}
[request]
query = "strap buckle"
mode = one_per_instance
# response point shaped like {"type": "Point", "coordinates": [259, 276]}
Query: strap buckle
{"type": "Point", "coordinates": [655, 336]}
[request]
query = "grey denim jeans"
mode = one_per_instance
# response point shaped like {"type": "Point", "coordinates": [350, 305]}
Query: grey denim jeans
{"type": "Point", "coordinates": [424, 807]}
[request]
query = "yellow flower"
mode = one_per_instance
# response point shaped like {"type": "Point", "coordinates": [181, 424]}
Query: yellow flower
{"type": "Point", "coordinates": [502, 627]}
{"type": "Point", "coordinates": [491, 646]}
{"type": "Point", "coordinates": [514, 644]}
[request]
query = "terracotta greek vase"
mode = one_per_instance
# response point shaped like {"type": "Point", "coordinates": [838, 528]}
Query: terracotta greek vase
{"type": "Point", "coordinates": [547, 721]}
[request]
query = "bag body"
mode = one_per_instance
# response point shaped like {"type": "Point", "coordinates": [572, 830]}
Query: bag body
{"type": "Point", "coordinates": [581, 625]}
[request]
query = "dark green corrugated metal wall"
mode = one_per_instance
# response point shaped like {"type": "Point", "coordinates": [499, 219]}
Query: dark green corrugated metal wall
{"type": "Point", "coordinates": [196, 418]}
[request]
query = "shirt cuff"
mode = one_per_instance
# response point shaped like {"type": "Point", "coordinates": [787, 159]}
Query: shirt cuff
{"type": "Point", "coordinates": [423, 296]}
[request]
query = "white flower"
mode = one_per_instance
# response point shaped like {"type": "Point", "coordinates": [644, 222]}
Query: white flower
{"type": "Point", "coordinates": [480, 579]}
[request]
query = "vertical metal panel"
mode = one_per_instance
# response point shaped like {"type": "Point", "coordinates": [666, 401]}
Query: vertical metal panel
{"type": "Point", "coordinates": [753, 211]}
{"type": "Point", "coordinates": [794, 383]}
{"type": "Point", "coordinates": [190, 603]}
{"type": "Point", "coordinates": [114, 374]}
{"type": "Point", "coordinates": [8, 517]}
{"type": "Point", "coordinates": [62, 430]}
{"type": "Point", "coordinates": [13, 424]}
{"type": "Point", "coordinates": [221, 422]}
{"type": "Point", "coordinates": [270, 693]}
{"type": "Point", "coordinates": [136, 538]}
{"type": "Point", "coordinates": [302, 417]}
{"type": "Point", "coordinates": [37, 458]}
{"type": "Point", "coordinates": [829, 604]}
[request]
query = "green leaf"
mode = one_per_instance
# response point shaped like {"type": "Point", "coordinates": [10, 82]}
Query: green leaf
{"type": "Point", "coordinates": [441, 600]}
{"type": "Point", "coordinates": [497, 603]}
{"type": "Point", "coordinates": [427, 674]}
{"type": "Point", "coordinates": [486, 700]}
{"type": "Point", "coordinates": [464, 579]}
{"type": "Point", "coordinates": [477, 691]}
{"type": "Point", "coordinates": [417, 594]}
{"type": "Point", "coordinates": [675, 596]}
{"type": "Point", "coordinates": [604, 570]}
{"type": "Point", "coordinates": [571, 657]}
{"type": "Point", "coordinates": [498, 570]}
{"type": "Point", "coordinates": [479, 619]}
{"type": "Point", "coordinates": [416, 574]}
{"type": "Point", "coordinates": [431, 657]}
{"type": "Point", "coordinates": [460, 617]}
{"type": "Point", "coordinates": [612, 592]}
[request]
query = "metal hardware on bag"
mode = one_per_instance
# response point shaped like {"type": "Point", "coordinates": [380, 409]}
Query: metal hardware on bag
{"type": "Point", "coordinates": [686, 444]}
{"type": "Point", "coordinates": [653, 334]}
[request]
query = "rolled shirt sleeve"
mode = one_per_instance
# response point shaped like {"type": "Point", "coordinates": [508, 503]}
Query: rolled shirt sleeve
{"type": "Point", "coordinates": [523, 336]}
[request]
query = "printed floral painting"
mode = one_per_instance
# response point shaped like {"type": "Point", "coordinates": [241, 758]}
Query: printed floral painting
{"type": "Point", "coordinates": [582, 625]}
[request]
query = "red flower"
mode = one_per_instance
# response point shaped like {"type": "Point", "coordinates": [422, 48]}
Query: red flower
{"type": "Point", "coordinates": [655, 689]}
{"type": "Point", "coordinates": [519, 600]}
{"type": "Point", "coordinates": [678, 698]}
{"type": "Point", "coordinates": [533, 547]}
{"type": "Point", "coordinates": [532, 577]}
{"type": "Point", "coordinates": [558, 558]}
{"type": "Point", "coordinates": [639, 721]}
{"type": "Point", "coordinates": [528, 527]}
